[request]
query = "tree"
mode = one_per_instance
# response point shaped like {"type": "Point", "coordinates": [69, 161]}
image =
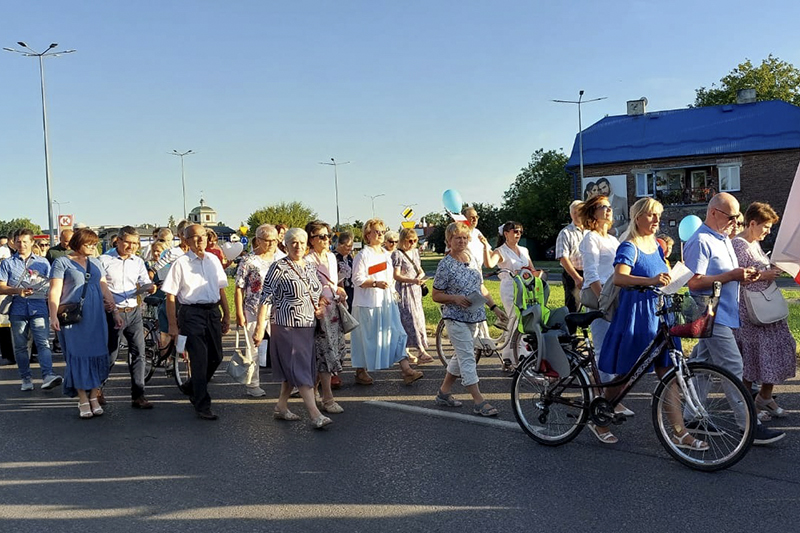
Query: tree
{"type": "Point", "coordinates": [435, 239]}
{"type": "Point", "coordinates": [6, 227]}
{"type": "Point", "coordinates": [292, 214]}
{"type": "Point", "coordinates": [354, 229]}
{"type": "Point", "coordinates": [171, 222]}
{"type": "Point", "coordinates": [489, 218]}
{"type": "Point", "coordinates": [773, 80]}
{"type": "Point", "coordinates": [539, 199]}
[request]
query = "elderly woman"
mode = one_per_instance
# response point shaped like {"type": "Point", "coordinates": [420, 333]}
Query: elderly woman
{"type": "Point", "coordinates": [73, 278]}
{"type": "Point", "coordinates": [456, 282]}
{"type": "Point", "coordinates": [409, 279]}
{"type": "Point", "coordinates": [329, 342]}
{"type": "Point", "coordinates": [292, 287]}
{"type": "Point", "coordinates": [379, 341]}
{"type": "Point", "coordinates": [639, 261]}
{"type": "Point", "coordinates": [390, 241]}
{"type": "Point", "coordinates": [249, 283]}
{"type": "Point", "coordinates": [344, 261]}
{"type": "Point", "coordinates": [508, 255]}
{"type": "Point", "coordinates": [768, 352]}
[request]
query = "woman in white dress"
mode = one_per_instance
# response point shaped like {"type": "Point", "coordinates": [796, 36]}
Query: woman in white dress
{"type": "Point", "coordinates": [380, 340]}
{"type": "Point", "coordinates": [511, 256]}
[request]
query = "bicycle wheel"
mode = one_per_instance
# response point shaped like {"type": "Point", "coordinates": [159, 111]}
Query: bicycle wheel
{"type": "Point", "coordinates": [714, 406]}
{"type": "Point", "coordinates": [150, 350]}
{"type": "Point", "coordinates": [550, 411]}
{"type": "Point", "coordinates": [181, 367]}
{"type": "Point", "coordinates": [443, 347]}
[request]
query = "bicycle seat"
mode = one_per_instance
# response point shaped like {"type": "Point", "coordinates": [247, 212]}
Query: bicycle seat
{"type": "Point", "coordinates": [582, 320]}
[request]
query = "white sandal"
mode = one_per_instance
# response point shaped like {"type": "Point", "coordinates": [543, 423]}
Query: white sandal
{"type": "Point", "coordinates": [696, 445]}
{"type": "Point", "coordinates": [606, 437]}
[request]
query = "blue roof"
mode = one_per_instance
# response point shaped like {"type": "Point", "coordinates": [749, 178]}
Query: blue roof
{"type": "Point", "coordinates": [714, 130]}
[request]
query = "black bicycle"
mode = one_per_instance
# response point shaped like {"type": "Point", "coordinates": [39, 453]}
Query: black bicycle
{"type": "Point", "coordinates": [175, 365]}
{"type": "Point", "coordinates": [555, 393]}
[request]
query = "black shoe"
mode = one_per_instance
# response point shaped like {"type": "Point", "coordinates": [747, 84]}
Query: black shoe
{"type": "Point", "coordinates": [207, 415]}
{"type": "Point", "coordinates": [187, 388]}
{"type": "Point", "coordinates": [767, 436]}
{"type": "Point", "coordinates": [699, 427]}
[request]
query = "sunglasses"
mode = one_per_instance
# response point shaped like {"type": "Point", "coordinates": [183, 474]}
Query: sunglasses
{"type": "Point", "coordinates": [731, 218]}
{"type": "Point", "coordinates": [322, 236]}
{"type": "Point", "coordinates": [391, 242]}
{"type": "Point", "coordinates": [379, 231]}
{"type": "Point", "coordinates": [413, 241]}
{"type": "Point", "coordinates": [516, 231]}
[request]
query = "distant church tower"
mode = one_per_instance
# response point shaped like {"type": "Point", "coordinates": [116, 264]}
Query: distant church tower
{"type": "Point", "coordinates": [203, 214]}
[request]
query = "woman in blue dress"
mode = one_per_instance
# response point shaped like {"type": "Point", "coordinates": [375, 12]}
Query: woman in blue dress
{"type": "Point", "coordinates": [85, 344]}
{"type": "Point", "coordinates": [639, 261]}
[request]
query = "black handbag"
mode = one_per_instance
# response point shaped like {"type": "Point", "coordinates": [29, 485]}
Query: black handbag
{"type": "Point", "coordinates": [72, 313]}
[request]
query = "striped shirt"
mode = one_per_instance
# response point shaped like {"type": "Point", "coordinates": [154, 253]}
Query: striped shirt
{"type": "Point", "coordinates": [568, 245]}
{"type": "Point", "coordinates": [293, 291]}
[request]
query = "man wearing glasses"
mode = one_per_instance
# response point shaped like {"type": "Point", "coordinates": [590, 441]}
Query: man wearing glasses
{"type": "Point", "coordinates": [127, 277]}
{"type": "Point", "coordinates": [709, 254]}
{"type": "Point", "coordinates": [475, 246]}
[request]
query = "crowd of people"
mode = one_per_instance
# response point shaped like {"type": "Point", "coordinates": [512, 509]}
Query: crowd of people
{"type": "Point", "coordinates": [295, 289]}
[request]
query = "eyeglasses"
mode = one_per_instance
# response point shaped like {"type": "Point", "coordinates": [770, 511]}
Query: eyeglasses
{"type": "Point", "coordinates": [516, 231]}
{"type": "Point", "coordinates": [731, 218]}
{"type": "Point", "coordinates": [391, 242]}
{"type": "Point", "coordinates": [379, 231]}
{"type": "Point", "coordinates": [413, 241]}
{"type": "Point", "coordinates": [322, 236]}
{"type": "Point", "coordinates": [132, 243]}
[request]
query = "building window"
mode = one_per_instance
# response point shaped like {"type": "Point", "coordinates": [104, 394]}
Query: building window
{"type": "Point", "coordinates": [208, 217]}
{"type": "Point", "coordinates": [645, 184]}
{"type": "Point", "coordinates": [729, 178]}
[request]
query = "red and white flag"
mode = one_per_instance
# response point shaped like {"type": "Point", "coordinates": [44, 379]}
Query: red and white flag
{"type": "Point", "coordinates": [786, 254]}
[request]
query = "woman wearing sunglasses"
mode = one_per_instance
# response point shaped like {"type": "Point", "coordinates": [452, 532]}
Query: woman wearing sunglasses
{"type": "Point", "coordinates": [511, 256]}
{"type": "Point", "coordinates": [409, 279]}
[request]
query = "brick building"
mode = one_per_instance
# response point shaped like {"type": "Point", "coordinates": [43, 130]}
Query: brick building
{"type": "Point", "coordinates": [682, 157]}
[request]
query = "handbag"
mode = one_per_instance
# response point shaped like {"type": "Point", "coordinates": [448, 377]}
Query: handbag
{"type": "Point", "coordinates": [5, 304]}
{"type": "Point", "coordinates": [346, 321]}
{"type": "Point", "coordinates": [241, 368]}
{"type": "Point", "coordinates": [767, 306]}
{"type": "Point", "coordinates": [609, 296]}
{"type": "Point", "coordinates": [72, 313]}
{"type": "Point", "coordinates": [424, 288]}
{"type": "Point", "coordinates": [589, 298]}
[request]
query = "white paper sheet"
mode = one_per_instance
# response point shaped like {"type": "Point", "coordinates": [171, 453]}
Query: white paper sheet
{"type": "Point", "coordinates": [680, 276]}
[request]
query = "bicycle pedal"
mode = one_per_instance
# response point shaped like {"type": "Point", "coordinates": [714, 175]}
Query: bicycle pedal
{"type": "Point", "coordinates": [618, 419]}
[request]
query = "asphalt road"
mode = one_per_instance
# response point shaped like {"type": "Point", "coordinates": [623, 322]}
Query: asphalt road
{"type": "Point", "coordinates": [376, 468]}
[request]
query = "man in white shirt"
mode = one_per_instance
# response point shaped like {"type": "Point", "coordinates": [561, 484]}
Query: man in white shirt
{"type": "Point", "coordinates": [127, 276]}
{"type": "Point", "coordinates": [195, 288]}
{"type": "Point", "coordinates": [569, 255]}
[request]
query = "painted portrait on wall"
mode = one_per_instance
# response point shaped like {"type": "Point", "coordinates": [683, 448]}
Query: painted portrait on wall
{"type": "Point", "coordinates": [616, 188]}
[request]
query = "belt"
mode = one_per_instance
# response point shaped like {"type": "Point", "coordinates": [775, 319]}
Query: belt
{"type": "Point", "coordinates": [127, 309]}
{"type": "Point", "coordinates": [203, 306]}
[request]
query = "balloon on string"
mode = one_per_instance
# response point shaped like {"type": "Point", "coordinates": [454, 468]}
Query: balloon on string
{"type": "Point", "coordinates": [688, 226]}
{"type": "Point", "coordinates": [231, 250]}
{"type": "Point", "coordinates": [452, 200]}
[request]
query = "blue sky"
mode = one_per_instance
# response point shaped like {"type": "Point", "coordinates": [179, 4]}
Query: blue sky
{"type": "Point", "coordinates": [421, 96]}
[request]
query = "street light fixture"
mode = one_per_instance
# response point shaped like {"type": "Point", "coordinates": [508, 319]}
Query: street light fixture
{"type": "Point", "coordinates": [47, 53]}
{"type": "Point", "coordinates": [59, 204]}
{"type": "Point", "coordinates": [183, 175]}
{"type": "Point", "coordinates": [580, 127]}
{"type": "Point", "coordinates": [373, 201]}
{"type": "Point", "coordinates": [334, 164]}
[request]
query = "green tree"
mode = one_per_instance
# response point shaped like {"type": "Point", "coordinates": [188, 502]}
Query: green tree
{"type": "Point", "coordinates": [6, 227]}
{"type": "Point", "coordinates": [292, 214]}
{"type": "Point", "coordinates": [490, 217]}
{"type": "Point", "coordinates": [539, 199]}
{"type": "Point", "coordinates": [171, 222]}
{"type": "Point", "coordinates": [355, 230]}
{"type": "Point", "coordinates": [773, 80]}
{"type": "Point", "coordinates": [435, 239]}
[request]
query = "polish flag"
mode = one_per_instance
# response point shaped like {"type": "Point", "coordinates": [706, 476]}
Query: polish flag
{"type": "Point", "coordinates": [786, 254]}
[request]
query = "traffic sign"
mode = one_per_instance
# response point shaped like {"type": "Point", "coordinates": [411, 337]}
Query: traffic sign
{"type": "Point", "coordinates": [65, 221]}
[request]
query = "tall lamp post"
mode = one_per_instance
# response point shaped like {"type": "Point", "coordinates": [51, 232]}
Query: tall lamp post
{"type": "Point", "coordinates": [373, 201]}
{"type": "Point", "coordinates": [41, 55]}
{"type": "Point", "coordinates": [580, 127]}
{"type": "Point", "coordinates": [183, 175]}
{"type": "Point", "coordinates": [58, 217]}
{"type": "Point", "coordinates": [334, 164]}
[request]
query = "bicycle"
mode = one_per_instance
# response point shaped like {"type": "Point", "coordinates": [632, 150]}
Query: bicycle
{"type": "Point", "coordinates": [175, 365]}
{"type": "Point", "coordinates": [555, 393]}
{"type": "Point", "coordinates": [487, 345]}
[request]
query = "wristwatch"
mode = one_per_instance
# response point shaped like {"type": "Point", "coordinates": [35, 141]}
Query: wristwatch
{"type": "Point", "coordinates": [374, 283]}
{"type": "Point", "coordinates": [492, 307]}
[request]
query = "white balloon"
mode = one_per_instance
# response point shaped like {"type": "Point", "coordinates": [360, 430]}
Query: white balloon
{"type": "Point", "coordinates": [231, 250]}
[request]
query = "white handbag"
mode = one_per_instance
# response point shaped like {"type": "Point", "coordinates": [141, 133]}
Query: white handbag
{"type": "Point", "coordinates": [767, 306]}
{"type": "Point", "coordinates": [240, 367]}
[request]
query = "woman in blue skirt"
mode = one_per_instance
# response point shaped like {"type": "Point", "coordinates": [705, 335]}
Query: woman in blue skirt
{"type": "Point", "coordinates": [85, 344]}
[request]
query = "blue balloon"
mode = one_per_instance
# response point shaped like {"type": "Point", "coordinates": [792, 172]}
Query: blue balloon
{"type": "Point", "coordinates": [688, 226]}
{"type": "Point", "coordinates": [452, 200]}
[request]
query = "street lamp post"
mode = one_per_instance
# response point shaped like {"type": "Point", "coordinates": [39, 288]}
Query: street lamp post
{"type": "Point", "coordinates": [183, 175]}
{"type": "Point", "coordinates": [41, 55]}
{"type": "Point", "coordinates": [334, 164]}
{"type": "Point", "coordinates": [580, 126]}
{"type": "Point", "coordinates": [373, 201]}
{"type": "Point", "coordinates": [58, 216]}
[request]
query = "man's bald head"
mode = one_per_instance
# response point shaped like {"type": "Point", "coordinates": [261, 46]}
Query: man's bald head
{"type": "Point", "coordinates": [723, 209]}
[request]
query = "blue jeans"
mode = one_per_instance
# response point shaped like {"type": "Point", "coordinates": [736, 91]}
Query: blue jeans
{"type": "Point", "coordinates": [39, 327]}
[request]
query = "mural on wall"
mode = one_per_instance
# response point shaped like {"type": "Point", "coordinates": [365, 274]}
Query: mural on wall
{"type": "Point", "coordinates": [616, 188]}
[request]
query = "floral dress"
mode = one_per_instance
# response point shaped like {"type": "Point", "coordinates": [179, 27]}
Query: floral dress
{"type": "Point", "coordinates": [329, 342]}
{"type": "Point", "coordinates": [411, 313]}
{"type": "Point", "coordinates": [768, 352]}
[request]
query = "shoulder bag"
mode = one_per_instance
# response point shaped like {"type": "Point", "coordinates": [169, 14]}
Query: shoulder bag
{"type": "Point", "coordinates": [424, 287]}
{"type": "Point", "coordinates": [609, 296]}
{"type": "Point", "coordinates": [347, 322]}
{"type": "Point", "coordinates": [72, 313]}
{"type": "Point", "coordinates": [767, 306]}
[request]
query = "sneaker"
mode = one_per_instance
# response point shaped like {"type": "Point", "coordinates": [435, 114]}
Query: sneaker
{"type": "Point", "coordinates": [27, 385]}
{"type": "Point", "coordinates": [767, 436]}
{"type": "Point", "coordinates": [52, 381]}
{"type": "Point", "coordinates": [701, 427]}
{"type": "Point", "coordinates": [256, 392]}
